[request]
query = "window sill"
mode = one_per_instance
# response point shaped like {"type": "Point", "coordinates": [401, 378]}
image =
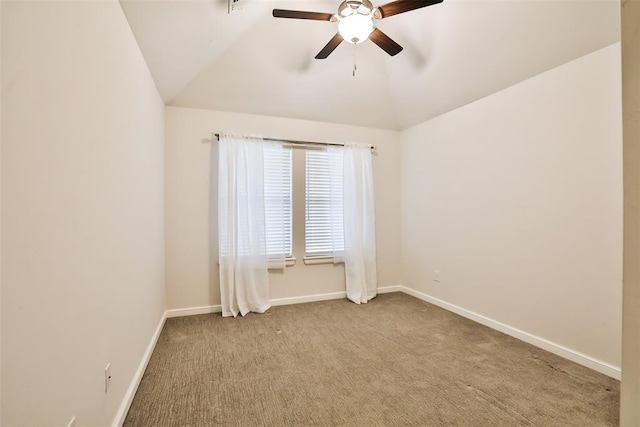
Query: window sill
{"type": "Point", "coordinates": [313, 260]}
{"type": "Point", "coordinates": [288, 262]}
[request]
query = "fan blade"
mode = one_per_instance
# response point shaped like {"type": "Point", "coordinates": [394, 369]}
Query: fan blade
{"type": "Point", "coordinates": [298, 14]}
{"type": "Point", "coordinates": [401, 6]}
{"type": "Point", "coordinates": [330, 47]}
{"type": "Point", "coordinates": [385, 42]}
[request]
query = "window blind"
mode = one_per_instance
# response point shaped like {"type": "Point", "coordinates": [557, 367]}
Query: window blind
{"type": "Point", "coordinates": [277, 198]}
{"type": "Point", "coordinates": [324, 229]}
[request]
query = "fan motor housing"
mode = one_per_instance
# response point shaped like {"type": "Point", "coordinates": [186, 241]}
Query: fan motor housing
{"type": "Point", "coordinates": [349, 7]}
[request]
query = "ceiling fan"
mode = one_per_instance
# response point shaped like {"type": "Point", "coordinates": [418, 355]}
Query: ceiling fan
{"type": "Point", "coordinates": [355, 22]}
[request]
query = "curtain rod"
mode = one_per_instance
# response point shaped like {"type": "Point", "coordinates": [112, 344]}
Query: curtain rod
{"type": "Point", "coordinates": [296, 142]}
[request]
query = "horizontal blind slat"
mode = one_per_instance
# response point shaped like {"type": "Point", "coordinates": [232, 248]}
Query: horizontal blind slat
{"type": "Point", "coordinates": [323, 226]}
{"type": "Point", "coordinates": [277, 191]}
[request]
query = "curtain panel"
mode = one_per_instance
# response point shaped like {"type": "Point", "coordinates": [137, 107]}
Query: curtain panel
{"type": "Point", "coordinates": [355, 202]}
{"type": "Point", "coordinates": [242, 230]}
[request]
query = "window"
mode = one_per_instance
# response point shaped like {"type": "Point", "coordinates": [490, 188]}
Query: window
{"type": "Point", "coordinates": [243, 198]}
{"type": "Point", "coordinates": [277, 199]}
{"type": "Point", "coordinates": [324, 232]}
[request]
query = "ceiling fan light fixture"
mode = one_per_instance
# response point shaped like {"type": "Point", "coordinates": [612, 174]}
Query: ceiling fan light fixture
{"type": "Point", "coordinates": [355, 28]}
{"type": "Point", "coordinates": [349, 7]}
{"type": "Point", "coordinates": [355, 22]}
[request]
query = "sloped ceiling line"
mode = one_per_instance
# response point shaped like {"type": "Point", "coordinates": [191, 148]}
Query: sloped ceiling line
{"type": "Point", "coordinates": [455, 53]}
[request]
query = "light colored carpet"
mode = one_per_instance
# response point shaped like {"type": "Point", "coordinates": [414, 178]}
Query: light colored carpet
{"type": "Point", "coordinates": [393, 362]}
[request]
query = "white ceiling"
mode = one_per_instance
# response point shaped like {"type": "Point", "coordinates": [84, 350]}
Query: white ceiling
{"type": "Point", "coordinates": [454, 53]}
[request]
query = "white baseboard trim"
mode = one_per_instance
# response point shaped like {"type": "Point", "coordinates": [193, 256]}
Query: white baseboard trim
{"type": "Point", "coordinates": [179, 312]}
{"type": "Point", "coordinates": [307, 298]}
{"type": "Point", "coordinates": [137, 377]}
{"type": "Point", "coordinates": [557, 349]}
{"type": "Point", "coordinates": [389, 289]}
{"type": "Point", "coordinates": [207, 309]}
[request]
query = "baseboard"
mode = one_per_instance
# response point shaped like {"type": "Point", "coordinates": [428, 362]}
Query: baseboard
{"type": "Point", "coordinates": [207, 309]}
{"type": "Point", "coordinates": [389, 289]}
{"type": "Point", "coordinates": [307, 298]}
{"type": "Point", "coordinates": [557, 349]}
{"type": "Point", "coordinates": [135, 382]}
{"type": "Point", "coordinates": [179, 312]}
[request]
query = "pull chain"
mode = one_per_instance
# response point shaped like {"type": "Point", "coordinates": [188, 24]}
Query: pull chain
{"type": "Point", "coordinates": [354, 60]}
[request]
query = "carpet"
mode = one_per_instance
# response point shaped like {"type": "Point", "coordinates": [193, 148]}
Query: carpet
{"type": "Point", "coordinates": [396, 361]}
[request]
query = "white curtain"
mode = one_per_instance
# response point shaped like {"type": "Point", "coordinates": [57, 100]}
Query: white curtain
{"type": "Point", "coordinates": [242, 237]}
{"type": "Point", "coordinates": [358, 218]}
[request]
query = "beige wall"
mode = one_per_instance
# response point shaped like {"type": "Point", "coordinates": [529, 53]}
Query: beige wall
{"type": "Point", "coordinates": [82, 211]}
{"type": "Point", "coordinates": [0, 212]}
{"type": "Point", "coordinates": [82, 225]}
{"type": "Point", "coordinates": [517, 200]}
{"type": "Point", "coordinates": [630, 399]}
{"type": "Point", "coordinates": [190, 283]}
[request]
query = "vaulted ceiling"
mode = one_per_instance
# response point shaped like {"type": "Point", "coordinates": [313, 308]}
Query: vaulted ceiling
{"type": "Point", "coordinates": [454, 53]}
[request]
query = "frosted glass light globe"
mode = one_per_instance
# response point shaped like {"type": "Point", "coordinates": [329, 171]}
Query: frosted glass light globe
{"type": "Point", "coordinates": [355, 28]}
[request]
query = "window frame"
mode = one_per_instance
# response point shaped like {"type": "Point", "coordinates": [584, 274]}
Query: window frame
{"type": "Point", "coordinates": [271, 193]}
{"type": "Point", "coordinates": [323, 175]}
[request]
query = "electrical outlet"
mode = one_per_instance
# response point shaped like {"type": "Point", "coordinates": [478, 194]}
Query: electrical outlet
{"type": "Point", "coordinates": [72, 423]}
{"type": "Point", "coordinates": [235, 5]}
{"type": "Point", "coordinates": [436, 276]}
{"type": "Point", "coordinates": [107, 377]}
